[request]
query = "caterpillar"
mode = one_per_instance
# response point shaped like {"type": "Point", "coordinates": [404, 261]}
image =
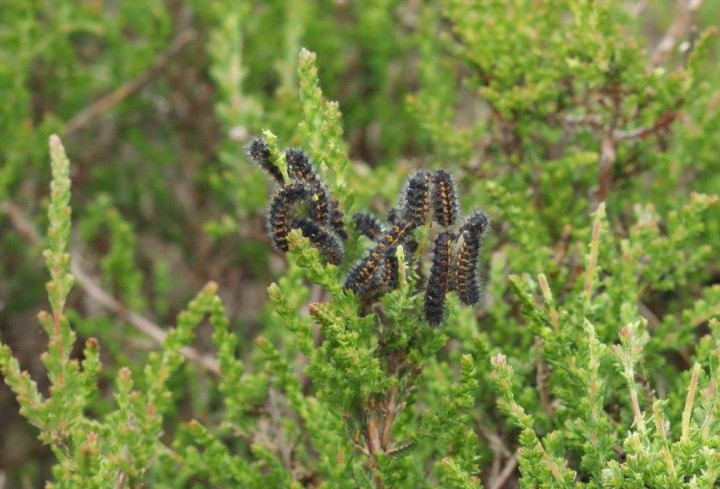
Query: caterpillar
{"type": "Point", "coordinates": [300, 168]}
{"type": "Point", "coordinates": [391, 269]}
{"type": "Point", "coordinates": [476, 225]}
{"type": "Point", "coordinates": [319, 203]}
{"type": "Point", "coordinates": [438, 283]}
{"type": "Point", "coordinates": [368, 225]}
{"type": "Point", "coordinates": [465, 281]}
{"type": "Point", "coordinates": [328, 244]}
{"type": "Point", "coordinates": [416, 199]}
{"type": "Point", "coordinates": [367, 274]}
{"type": "Point", "coordinates": [323, 208]}
{"type": "Point", "coordinates": [278, 219]}
{"type": "Point", "coordinates": [444, 199]}
{"type": "Point", "coordinates": [259, 152]}
{"type": "Point", "coordinates": [396, 235]}
{"type": "Point", "coordinates": [465, 277]}
{"type": "Point", "coordinates": [337, 220]}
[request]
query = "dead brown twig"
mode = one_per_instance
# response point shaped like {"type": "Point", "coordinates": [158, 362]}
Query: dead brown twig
{"type": "Point", "coordinates": [499, 481]}
{"type": "Point", "coordinates": [683, 20]}
{"type": "Point", "coordinates": [144, 325]}
{"type": "Point", "coordinates": [608, 155]}
{"type": "Point", "coordinates": [661, 123]}
{"type": "Point", "coordinates": [611, 138]}
{"type": "Point", "coordinates": [498, 477]}
{"type": "Point", "coordinates": [110, 100]}
{"type": "Point", "coordinates": [100, 296]}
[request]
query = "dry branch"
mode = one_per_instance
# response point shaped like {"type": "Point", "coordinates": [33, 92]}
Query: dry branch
{"type": "Point", "coordinates": [100, 296]}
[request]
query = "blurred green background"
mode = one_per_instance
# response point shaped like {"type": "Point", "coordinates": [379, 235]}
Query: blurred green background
{"type": "Point", "coordinates": [155, 101]}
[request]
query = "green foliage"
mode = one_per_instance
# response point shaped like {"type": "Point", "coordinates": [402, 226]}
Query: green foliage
{"type": "Point", "coordinates": [593, 359]}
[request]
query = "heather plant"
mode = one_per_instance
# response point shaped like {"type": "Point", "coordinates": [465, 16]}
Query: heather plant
{"type": "Point", "coordinates": [495, 267]}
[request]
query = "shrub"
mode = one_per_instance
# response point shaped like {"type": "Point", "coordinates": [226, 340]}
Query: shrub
{"type": "Point", "coordinates": [594, 354]}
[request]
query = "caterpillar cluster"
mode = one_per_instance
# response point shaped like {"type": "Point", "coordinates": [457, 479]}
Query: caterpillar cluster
{"type": "Point", "coordinates": [455, 255]}
{"type": "Point", "coordinates": [303, 202]}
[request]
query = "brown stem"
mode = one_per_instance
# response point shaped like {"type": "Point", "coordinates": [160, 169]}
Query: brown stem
{"type": "Point", "coordinates": [683, 20]}
{"type": "Point", "coordinates": [391, 409]}
{"type": "Point", "coordinates": [373, 441]}
{"type": "Point", "coordinates": [144, 325]}
{"type": "Point", "coordinates": [608, 149]}
{"type": "Point", "coordinates": [499, 481]}
{"type": "Point", "coordinates": [104, 298]}
{"type": "Point", "coordinates": [110, 100]}
{"type": "Point", "coordinates": [608, 155]}
{"type": "Point", "coordinates": [642, 132]}
{"type": "Point", "coordinates": [593, 121]}
{"type": "Point", "coordinates": [373, 433]}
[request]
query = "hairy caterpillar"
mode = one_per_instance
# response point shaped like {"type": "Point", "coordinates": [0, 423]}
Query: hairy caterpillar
{"type": "Point", "coordinates": [325, 241]}
{"type": "Point", "coordinates": [444, 199]}
{"type": "Point", "coordinates": [278, 213]}
{"type": "Point", "coordinates": [259, 152]}
{"type": "Point", "coordinates": [438, 283]}
{"type": "Point", "coordinates": [416, 199]}
{"type": "Point", "coordinates": [465, 277]}
{"type": "Point", "coordinates": [367, 274]}
{"type": "Point", "coordinates": [368, 225]}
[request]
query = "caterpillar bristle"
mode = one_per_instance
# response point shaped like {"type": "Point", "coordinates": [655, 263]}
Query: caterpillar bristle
{"type": "Point", "coordinates": [300, 168]}
{"type": "Point", "coordinates": [278, 213]}
{"type": "Point", "coordinates": [416, 198]}
{"type": "Point", "coordinates": [337, 220]}
{"type": "Point", "coordinates": [326, 242]}
{"type": "Point", "coordinates": [391, 270]}
{"type": "Point", "coordinates": [367, 274]}
{"type": "Point", "coordinates": [410, 245]}
{"type": "Point", "coordinates": [368, 225]}
{"type": "Point", "coordinates": [394, 215]}
{"type": "Point", "coordinates": [259, 152]}
{"type": "Point", "coordinates": [438, 282]}
{"type": "Point", "coordinates": [444, 198]}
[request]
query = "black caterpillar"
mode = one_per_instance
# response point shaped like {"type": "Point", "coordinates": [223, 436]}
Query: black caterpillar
{"type": "Point", "coordinates": [439, 282]}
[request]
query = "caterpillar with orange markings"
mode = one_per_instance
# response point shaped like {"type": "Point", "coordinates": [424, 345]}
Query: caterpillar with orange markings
{"type": "Point", "coordinates": [465, 277]}
{"type": "Point", "coordinates": [337, 220]}
{"type": "Point", "coordinates": [259, 152]}
{"type": "Point", "coordinates": [367, 274]}
{"type": "Point", "coordinates": [300, 168]}
{"type": "Point", "coordinates": [323, 208]}
{"type": "Point", "coordinates": [415, 201]}
{"type": "Point", "coordinates": [325, 241]}
{"type": "Point", "coordinates": [391, 270]}
{"type": "Point", "coordinates": [279, 212]}
{"type": "Point", "coordinates": [444, 198]}
{"type": "Point", "coordinates": [439, 281]}
{"type": "Point", "coordinates": [368, 225]}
